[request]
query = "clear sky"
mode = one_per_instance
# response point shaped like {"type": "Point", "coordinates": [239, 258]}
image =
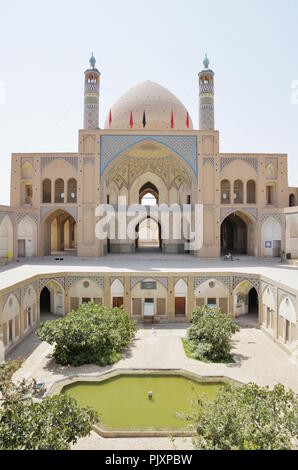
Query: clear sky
{"type": "Point", "coordinates": [45, 46]}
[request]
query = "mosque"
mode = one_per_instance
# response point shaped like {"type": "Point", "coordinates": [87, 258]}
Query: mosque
{"type": "Point", "coordinates": [148, 154]}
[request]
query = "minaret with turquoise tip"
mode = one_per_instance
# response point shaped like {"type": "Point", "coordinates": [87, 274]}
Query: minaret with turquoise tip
{"type": "Point", "coordinates": [91, 96]}
{"type": "Point", "coordinates": [206, 97]}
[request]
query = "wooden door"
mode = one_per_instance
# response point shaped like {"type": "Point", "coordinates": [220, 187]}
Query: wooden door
{"type": "Point", "coordinates": [117, 301]}
{"type": "Point", "coordinates": [180, 306]}
{"type": "Point", "coordinates": [21, 248]}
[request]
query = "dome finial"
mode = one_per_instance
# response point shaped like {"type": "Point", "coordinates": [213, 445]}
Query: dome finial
{"type": "Point", "coordinates": [206, 62]}
{"type": "Point", "coordinates": [92, 61]}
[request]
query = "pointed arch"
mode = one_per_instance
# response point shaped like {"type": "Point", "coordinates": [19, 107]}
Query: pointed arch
{"type": "Point", "coordinates": [59, 232]}
{"type": "Point", "coordinates": [251, 192]}
{"type": "Point", "coordinates": [271, 237]}
{"type": "Point", "coordinates": [72, 190]}
{"type": "Point", "coordinates": [292, 200]}
{"type": "Point", "coordinates": [59, 191]}
{"type": "Point", "coordinates": [225, 188]}
{"type": "Point", "coordinates": [239, 233]}
{"type": "Point", "coordinates": [246, 300]}
{"type": "Point", "coordinates": [6, 238]}
{"type": "Point", "coordinates": [27, 237]}
{"type": "Point", "coordinates": [27, 171]}
{"type": "Point", "coordinates": [52, 297]}
{"type": "Point", "coordinates": [47, 191]}
{"type": "Point", "coordinates": [238, 192]}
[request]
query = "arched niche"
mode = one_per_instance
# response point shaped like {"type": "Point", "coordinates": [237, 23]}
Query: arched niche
{"type": "Point", "coordinates": [27, 237]}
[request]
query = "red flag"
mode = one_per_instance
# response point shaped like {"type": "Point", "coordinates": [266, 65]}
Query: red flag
{"type": "Point", "coordinates": [172, 120]}
{"type": "Point", "coordinates": [131, 120]}
{"type": "Point", "coordinates": [110, 118]}
{"type": "Point", "coordinates": [187, 120]}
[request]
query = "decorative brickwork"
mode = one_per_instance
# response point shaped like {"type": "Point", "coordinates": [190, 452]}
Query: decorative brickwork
{"type": "Point", "coordinates": [58, 280]}
{"type": "Point", "coordinates": [45, 161]}
{"type": "Point", "coordinates": [99, 280]}
{"type": "Point", "coordinates": [252, 161]}
{"type": "Point", "coordinates": [201, 279]}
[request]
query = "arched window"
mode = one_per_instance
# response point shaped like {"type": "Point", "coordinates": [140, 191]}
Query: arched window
{"type": "Point", "coordinates": [270, 194]}
{"type": "Point", "coordinates": [59, 190]}
{"type": "Point", "coordinates": [72, 190]}
{"type": "Point", "coordinates": [148, 195]}
{"type": "Point", "coordinates": [47, 191]}
{"type": "Point", "coordinates": [238, 192]}
{"type": "Point", "coordinates": [292, 200]}
{"type": "Point", "coordinates": [225, 192]}
{"type": "Point", "coordinates": [251, 192]}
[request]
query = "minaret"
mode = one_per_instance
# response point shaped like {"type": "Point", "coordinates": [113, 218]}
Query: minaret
{"type": "Point", "coordinates": [91, 95]}
{"type": "Point", "coordinates": [206, 97]}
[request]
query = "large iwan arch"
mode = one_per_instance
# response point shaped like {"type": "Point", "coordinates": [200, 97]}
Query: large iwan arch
{"type": "Point", "coordinates": [238, 234]}
{"type": "Point", "coordinates": [59, 233]}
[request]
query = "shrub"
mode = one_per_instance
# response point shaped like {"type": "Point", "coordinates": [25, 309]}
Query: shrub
{"type": "Point", "coordinates": [92, 334]}
{"type": "Point", "coordinates": [29, 423]}
{"type": "Point", "coordinates": [209, 337]}
{"type": "Point", "coordinates": [247, 417]}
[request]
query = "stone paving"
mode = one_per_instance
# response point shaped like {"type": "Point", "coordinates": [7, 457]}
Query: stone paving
{"type": "Point", "coordinates": [273, 269]}
{"type": "Point", "coordinates": [258, 359]}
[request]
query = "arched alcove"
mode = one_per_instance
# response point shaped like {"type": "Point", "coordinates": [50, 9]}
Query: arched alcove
{"type": "Point", "coordinates": [27, 237]}
{"type": "Point", "coordinates": [238, 234]}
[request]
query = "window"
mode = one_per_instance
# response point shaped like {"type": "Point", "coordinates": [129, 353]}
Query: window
{"type": "Point", "coordinates": [85, 300]}
{"type": "Point", "coordinates": [29, 317]}
{"type": "Point", "coordinates": [59, 190]}
{"type": "Point", "coordinates": [28, 194]}
{"type": "Point", "coordinates": [211, 302]}
{"type": "Point", "coordinates": [10, 331]}
{"type": "Point", "coordinates": [148, 310]}
{"type": "Point", "coordinates": [16, 327]}
{"type": "Point", "coordinates": [225, 192]}
{"type": "Point", "coordinates": [287, 331]}
{"type": "Point", "coordinates": [270, 194]}
{"type": "Point", "coordinates": [238, 192]}
{"type": "Point", "coordinates": [272, 319]}
{"type": "Point", "coordinates": [72, 190]}
{"type": "Point", "coordinates": [267, 317]}
{"type": "Point", "coordinates": [251, 192]}
{"type": "Point", "coordinates": [46, 191]}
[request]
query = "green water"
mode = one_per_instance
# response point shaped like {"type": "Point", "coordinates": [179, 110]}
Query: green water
{"type": "Point", "coordinates": [122, 402]}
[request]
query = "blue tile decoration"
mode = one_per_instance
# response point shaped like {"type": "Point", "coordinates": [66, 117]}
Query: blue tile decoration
{"type": "Point", "coordinates": [183, 145]}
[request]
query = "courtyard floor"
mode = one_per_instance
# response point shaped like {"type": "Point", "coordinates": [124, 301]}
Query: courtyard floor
{"type": "Point", "coordinates": [271, 268]}
{"type": "Point", "coordinates": [258, 360]}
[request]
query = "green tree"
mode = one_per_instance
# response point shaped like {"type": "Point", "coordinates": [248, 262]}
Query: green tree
{"type": "Point", "coordinates": [209, 337]}
{"type": "Point", "coordinates": [91, 334]}
{"type": "Point", "coordinates": [247, 417]}
{"type": "Point", "coordinates": [29, 422]}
